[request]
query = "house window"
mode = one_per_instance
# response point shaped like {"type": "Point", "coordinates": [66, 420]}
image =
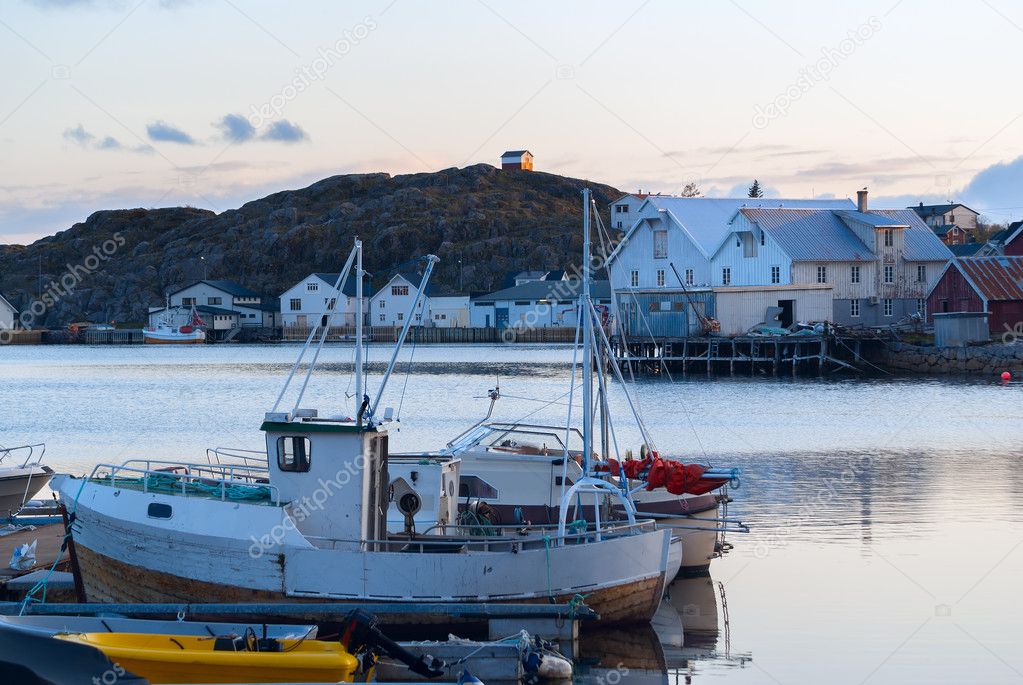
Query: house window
{"type": "Point", "coordinates": [331, 303]}
{"type": "Point", "coordinates": [726, 276]}
{"type": "Point", "coordinates": [921, 306]}
{"type": "Point", "coordinates": [187, 301]}
{"type": "Point", "coordinates": [854, 274]}
{"type": "Point", "coordinates": [399, 290]}
{"type": "Point", "coordinates": [921, 273]}
{"type": "Point", "coordinates": [381, 317]}
{"type": "Point", "coordinates": [619, 225]}
{"type": "Point", "coordinates": [889, 306]}
{"type": "Point", "coordinates": [312, 287]}
{"type": "Point", "coordinates": [622, 209]}
{"type": "Point", "coordinates": [889, 237]}
{"type": "Point", "coordinates": [522, 303]}
{"type": "Point", "coordinates": [214, 300]}
{"type": "Point", "coordinates": [854, 307]}
{"type": "Point", "coordinates": [419, 317]}
{"type": "Point", "coordinates": [382, 303]}
{"type": "Point", "coordinates": [294, 453]}
{"type": "Point", "coordinates": [689, 277]}
{"type": "Point", "coordinates": [660, 244]}
{"type": "Point", "coordinates": [889, 274]}
{"type": "Point", "coordinates": [635, 279]}
{"type": "Point", "coordinates": [296, 304]}
{"type": "Point", "coordinates": [401, 316]}
{"type": "Point", "coordinates": [660, 278]}
{"type": "Point", "coordinates": [822, 274]}
{"type": "Point", "coordinates": [738, 241]}
{"type": "Point", "coordinates": [775, 274]}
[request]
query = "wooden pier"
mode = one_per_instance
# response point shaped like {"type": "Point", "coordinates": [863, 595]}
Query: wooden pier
{"type": "Point", "coordinates": [746, 355]}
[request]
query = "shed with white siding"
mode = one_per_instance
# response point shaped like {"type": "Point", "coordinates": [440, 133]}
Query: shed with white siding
{"type": "Point", "coordinates": [8, 313]}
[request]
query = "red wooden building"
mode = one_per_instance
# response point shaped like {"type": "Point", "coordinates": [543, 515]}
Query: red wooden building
{"type": "Point", "coordinates": [981, 284]}
{"type": "Point", "coordinates": [517, 159]}
{"type": "Point", "coordinates": [1014, 243]}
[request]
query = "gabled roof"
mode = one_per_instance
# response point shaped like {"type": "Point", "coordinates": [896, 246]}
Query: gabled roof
{"type": "Point", "coordinates": [965, 250]}
{"type": "Point", "coordinates": [872, 219]}
{"type": "Point", "coordinates": [707, 220]}
{"type": "Point", "coordinates": [808, 235]}
{"type": "Point", "coordinates": [349, 287]}
{"type": "Point", "coordinates": [923, 210]}
{"type": "Point", "coordinates": [8, 303]}
{"type": "Point", "coordinates": [921, 245]}
{"type": "Point", "coordinates": [561, 291]}
{"type": "Point", "coordinates": [414, 279]}
{"type": "Point", "coordinates": [230, 287]}
{"type": "Point", "coordinates": [994, 278]}
{"type": "Point", "coordinates": [826, 235]}
{"type": "Point", "coordinates": [515, 153]}
{"type": "Point", "coordinates": [1015, 231]}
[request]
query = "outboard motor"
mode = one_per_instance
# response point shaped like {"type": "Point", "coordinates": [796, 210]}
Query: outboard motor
{"type": "Point", "coordinates": [360, 634]}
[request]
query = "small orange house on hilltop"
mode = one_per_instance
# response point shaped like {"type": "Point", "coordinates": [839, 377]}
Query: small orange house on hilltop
{"type": "Point", "coordinates": [517, 159]}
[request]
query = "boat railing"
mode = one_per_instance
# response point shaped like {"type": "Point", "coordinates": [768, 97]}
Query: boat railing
{"type": "Point", "coordinates": [518, 539]}
{"type": "Point", "coordinates": [237, 456]}
{"type": "Point", "coordinates": [27, 455]}
{"type": "Point", "coordinates": [201, 480]}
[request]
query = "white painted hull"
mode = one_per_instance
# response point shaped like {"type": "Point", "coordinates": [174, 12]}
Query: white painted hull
{"type": "Point", "coordinates": [170, 336]}
{"type": "Point", "coordinates": [209, 544]}
{"type": "Point", "coordinates": [18, 485]}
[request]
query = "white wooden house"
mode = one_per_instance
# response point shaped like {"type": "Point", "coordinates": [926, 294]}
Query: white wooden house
{"type": "Point", "coordinates": [438, 308]}
{"type": "Point", "coordinates": [535, 304]}
{"type": "Point", "coordinates": [954, 223]}
{"type": "Point", "coordinates": [250, 309]}
{"type": "Point", "coordinates": [304, 303]}
{"type": "Point", "coordinates": [879, 264]}
{"type": "Point", "coordinates": [8, 314]}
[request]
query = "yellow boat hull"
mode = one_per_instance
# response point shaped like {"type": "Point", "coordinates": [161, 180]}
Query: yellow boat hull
{"type": "Point", "coordinates": [187, 659]}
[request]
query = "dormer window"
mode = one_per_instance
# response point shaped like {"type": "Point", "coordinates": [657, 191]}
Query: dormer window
{"type": "Point", "coordinates": [294, 453]}
{"type": "Point", "coordinates": [889, 237]}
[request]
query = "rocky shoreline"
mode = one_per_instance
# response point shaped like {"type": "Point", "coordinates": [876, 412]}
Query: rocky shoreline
{"type": "Point", "coordinates": [981, 360]}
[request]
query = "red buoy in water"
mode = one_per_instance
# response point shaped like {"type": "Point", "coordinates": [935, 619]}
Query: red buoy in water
{"type": "Point", "coordinates": [1006, 376]}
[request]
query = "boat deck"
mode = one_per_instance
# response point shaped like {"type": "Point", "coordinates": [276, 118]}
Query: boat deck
{"type": "Point", "coordinates": [47, 548]}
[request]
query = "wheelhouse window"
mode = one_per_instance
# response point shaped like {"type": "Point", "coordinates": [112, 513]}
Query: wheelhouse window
{"type": "Point", "coordinates": [294, 453]}
{"type": "Point", "coordinates": [474, 486]}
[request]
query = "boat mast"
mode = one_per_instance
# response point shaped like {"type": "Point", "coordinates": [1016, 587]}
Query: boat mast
{"type": "Point", "coordinates": [358, 324]}
{"type": "Point", "coordinates": [584, 312]}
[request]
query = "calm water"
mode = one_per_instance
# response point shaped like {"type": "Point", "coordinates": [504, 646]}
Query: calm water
{"type": "Point", "coordinates": [886, 513]}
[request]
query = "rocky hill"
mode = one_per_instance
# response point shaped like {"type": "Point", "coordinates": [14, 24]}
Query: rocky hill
{"type": "Point", "coordinates": [493, 221]}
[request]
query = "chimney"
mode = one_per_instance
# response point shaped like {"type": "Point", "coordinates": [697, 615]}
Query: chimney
{"type": "Point", "coordinates": [861, 200]}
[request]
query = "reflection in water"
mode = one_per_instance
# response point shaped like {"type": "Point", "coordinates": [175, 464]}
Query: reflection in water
{"type": "Point", "coordinates": [692, 625]}
{"type": "Point", "coordinates": [874, 503]}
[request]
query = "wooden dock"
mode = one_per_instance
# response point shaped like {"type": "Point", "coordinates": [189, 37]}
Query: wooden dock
{"type": "Point", "coordinates": [748, 355]}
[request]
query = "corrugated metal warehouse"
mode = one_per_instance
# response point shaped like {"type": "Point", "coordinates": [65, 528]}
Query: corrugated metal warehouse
{"type": "Point", "coordinates": [740, 309]}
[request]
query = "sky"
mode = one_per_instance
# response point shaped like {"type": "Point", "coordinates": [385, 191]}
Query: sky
{"type": "Point", "coordinates": [110, 104]}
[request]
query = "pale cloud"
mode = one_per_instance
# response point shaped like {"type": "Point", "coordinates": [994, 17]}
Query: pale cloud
{"type": "Point", "coordinates": [285, 132]}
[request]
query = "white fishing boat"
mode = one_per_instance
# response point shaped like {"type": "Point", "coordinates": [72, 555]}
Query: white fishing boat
{"type": "Point", "coordinates": [22, 475]}
{"type": "Point", "coordinates": [167, 332]}
{"type": "Point", "coordinates": [313, 525]}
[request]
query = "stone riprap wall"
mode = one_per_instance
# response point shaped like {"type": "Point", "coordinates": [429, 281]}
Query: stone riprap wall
{"type": "Point", "coordinates": [982, 360]}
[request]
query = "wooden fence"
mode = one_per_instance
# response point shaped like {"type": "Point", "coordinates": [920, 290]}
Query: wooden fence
{"type": "Point", "coordinates": [420, 334]}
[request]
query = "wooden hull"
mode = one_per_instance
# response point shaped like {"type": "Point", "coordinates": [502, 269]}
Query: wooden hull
{"type": "Point", "coordinates": [181, 341]}
{"type": "Point", "coordinates": [108, 580]}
